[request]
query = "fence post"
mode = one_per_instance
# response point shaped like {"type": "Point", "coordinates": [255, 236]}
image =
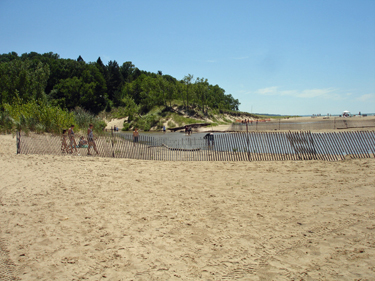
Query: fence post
{"type": "Point", "coordinates": [18, 134]}
{"type": "Point", "coordinates": [113, 151]}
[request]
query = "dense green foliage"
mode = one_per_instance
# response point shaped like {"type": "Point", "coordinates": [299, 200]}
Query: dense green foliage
{"type": "Point", "coordinates": [34, 116]}
{"type": "Point", "coordinates": [41, 117]}
{"type": "Point", "coordinates": [48, 82]}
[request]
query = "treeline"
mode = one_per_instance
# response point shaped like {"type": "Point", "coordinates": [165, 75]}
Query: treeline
{"type": "Point", "coordinates": [96, 87]}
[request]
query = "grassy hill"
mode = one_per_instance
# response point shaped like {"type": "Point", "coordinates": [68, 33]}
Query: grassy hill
{"type": "Point", "coordinates": [175, 116]}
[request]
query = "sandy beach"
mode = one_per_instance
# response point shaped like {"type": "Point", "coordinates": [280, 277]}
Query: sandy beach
{"type": "Point", "coordinates": [81, 218]}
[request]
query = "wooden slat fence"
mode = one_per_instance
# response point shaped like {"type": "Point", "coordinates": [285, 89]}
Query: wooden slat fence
{"type": "Point", "coordinates": [252, 146]}
{"type": "Point", "coordinates": [333, 123]}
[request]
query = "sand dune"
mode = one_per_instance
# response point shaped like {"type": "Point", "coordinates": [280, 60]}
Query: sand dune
{"type": "Point", "coordinates": [73, 218]}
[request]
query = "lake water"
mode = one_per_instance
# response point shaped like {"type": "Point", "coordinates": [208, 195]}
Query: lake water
{"type": "Point", "coordinates": [273, 143]}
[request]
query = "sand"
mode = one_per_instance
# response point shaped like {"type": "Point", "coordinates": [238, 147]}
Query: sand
{"type": "Point", "coordinates": [119, 123]}
{"type": "Point", "coordinates": [80, 218]}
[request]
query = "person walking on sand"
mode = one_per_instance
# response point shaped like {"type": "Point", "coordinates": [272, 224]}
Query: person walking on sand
{"type": "Point", "coordinates": [64, 144]}
{"type": "Point", "coordinates": [135, 136]}
{"type": "Point", "coordinates": [90, 139]}
{"type": "Point", "coordinates": [72, 139]}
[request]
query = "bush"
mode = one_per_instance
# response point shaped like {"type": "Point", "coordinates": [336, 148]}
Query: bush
{"type": "Point", "coordinates": [126, 127]}
{"type": "Point", "coordinates": [146, 122]}
{"type": "Point", "coordinates": [181, 120]}
{"type": "Point", "coordinates": [31, 115]}
{"type": "Point", "coordinates": [83, 118]}
{"type": "Point", "coordinates": [7, 124]}
{"type": "Point", "coordinates": [40, 128]}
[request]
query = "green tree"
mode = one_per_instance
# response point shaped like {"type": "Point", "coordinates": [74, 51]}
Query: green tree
{"type": "Point", "coordinates": [151, 93]}
{"type": "Point", "coordinates": [201, 86]}
{"type": "Point", "coordinates": [87, 91]}
{"type": "Point", "coordinates": [134, 89]}
{"type": "Point", "coordinates": [8, 57]}
{"type": "Point", "coordinates": [62, 69]}
{"type": "Point", "coordinates": [187, 81]}
{"type": "Point", "coordinates": [80, 59]}
{"type": "Point", "coordinates": [23, 80]}
{"type": "Point", "coordinates": [114, 82]}
{"type": "Point", "coordinates": [127, 71]}
{"type": "Point", "coordinates": [102, 68]}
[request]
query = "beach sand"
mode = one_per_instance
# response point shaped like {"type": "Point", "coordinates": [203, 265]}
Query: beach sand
{"type": "Point", "coordinates": [91, 218]}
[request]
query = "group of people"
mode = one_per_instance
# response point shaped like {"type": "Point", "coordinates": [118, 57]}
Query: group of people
{"type": "Point", "coordinates": [247, 121]}
{"type": "Point", "coordinates": [69, 135]}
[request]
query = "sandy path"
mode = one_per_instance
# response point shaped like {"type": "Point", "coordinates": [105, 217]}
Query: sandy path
{"type": "Point", "coordinates": [71, 218]}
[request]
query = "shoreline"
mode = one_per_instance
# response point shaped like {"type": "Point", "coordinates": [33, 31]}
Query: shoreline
{"type": "Point", "coordinates": [305, 120]}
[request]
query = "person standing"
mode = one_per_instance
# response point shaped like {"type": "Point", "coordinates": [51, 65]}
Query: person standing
{"type": "Point", "coordinates": [90, 139]}
{"type": "Point", "coordinates": [135, 135]}
{"type": "Point", "coordinates": [72, 139]}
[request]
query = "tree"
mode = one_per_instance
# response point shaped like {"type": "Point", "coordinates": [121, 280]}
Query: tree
{"type": "Point", "coordinates": [103, 70]}
{"type": "Point", "coordinates": [131, 108]}
{"type": "Point", "coordinates": [87, 91]}
{"type": "Point", "coordinates": [80, 59]}
{"type": "Point", "coordinates": [62, 69]}
{"type": "Point", "coordinates": [134, 89]}
{"type": "Point", "coordinates": [127, 70]}
{"type": "Point", "coordinates": [201, 86]}
{"type": "Point", "coordinates": [67, 92]}
{"type": "Point", "coordinates": [94, 86]}
{"type": "Point", "coordinates": [23, 80]}
{"type": "Point", "coordinates": [187, 81]}
{"type": "Point", "coordinates": [8, 57]}
{"type": "Point", "coordinates": [114, 82]}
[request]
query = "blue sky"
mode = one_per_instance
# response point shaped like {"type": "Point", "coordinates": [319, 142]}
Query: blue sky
{"type": "Point", "coordinates": [294, 57]}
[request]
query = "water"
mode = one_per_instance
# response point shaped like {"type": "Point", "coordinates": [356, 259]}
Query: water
{"type": "Point", "coordinates": [269, 143]}
{"type": "Point", "coordinates": [172, 140]}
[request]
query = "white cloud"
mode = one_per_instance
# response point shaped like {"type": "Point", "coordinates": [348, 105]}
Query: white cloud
{"type": "Point", "coordinates": [366, 97]}
{"type": "Point", "coordinates": [313, 93]}
{"type": "Point", "coordinates": [267, 91]}
{"type": "Point", "coordinates": [328, 93]}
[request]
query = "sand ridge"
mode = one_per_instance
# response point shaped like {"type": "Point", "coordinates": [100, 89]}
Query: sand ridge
{"type": "Point", "coordinates": [70, 218]}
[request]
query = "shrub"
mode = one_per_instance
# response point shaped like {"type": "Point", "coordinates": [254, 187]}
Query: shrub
{"type": "Point", "coordinates": [146, 122]}
{"type": "Point", "coordinates": [126, 127]}
{"type": "Point", "coordinates": [6, 123]}
{"type": "Point", "coordinates": [27, 117]}
{"type": "Point", "coordinates": [83, 118]}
